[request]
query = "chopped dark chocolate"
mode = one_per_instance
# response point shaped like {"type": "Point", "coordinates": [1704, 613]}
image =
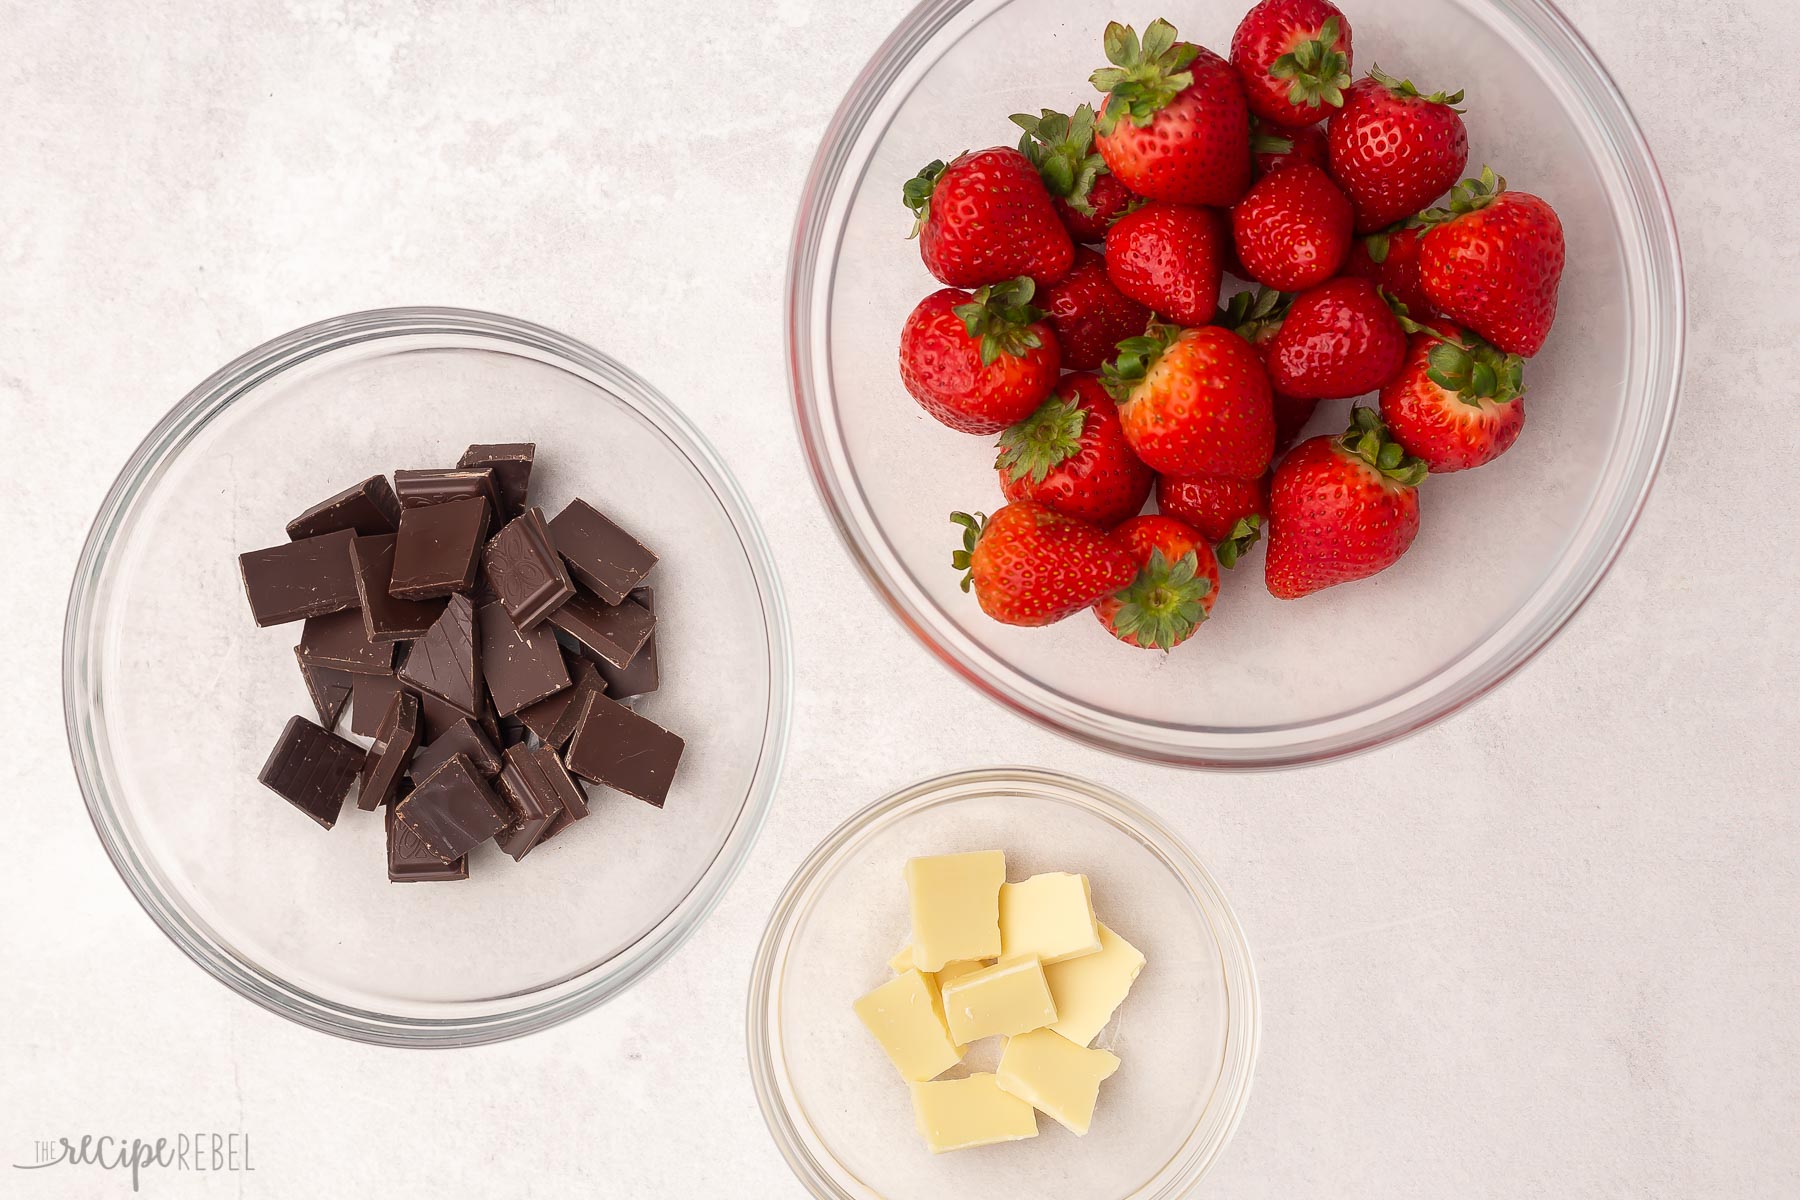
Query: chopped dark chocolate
{"type": "Point", "coordinates": [370, 696]}
{"type": "Point", "coordinates": [538, 789]}
{"type": "Point", "coordinates": [613, 633]}
{"type": "Point", "coordinates": [367, 507]}
{"type": "Point", "coordinates": [617, 747]}
{"type": "Point", "coordinates": [553, 719]}
{"type": "Point", "coordinates": [312, 769]}
{"type": "Point", "coordinates": [328, 687]}
{"type": "Point", "coordinates": [338, 640]}
{"type": "Point", "coordinates": [512, 732]}
{"type": "Point", "coordinates": [511, 464]}
{"type": "Point", "coordinates": [295, 580]}
{"type": "Point", "coordinates": [453, 810]}
{"type": "Point", "coordinates": [438, 549]}
{"type": "Point", "coordinates": [440, 485]}
{"type": "Point", "coordinates": [446, 662]}
{"type": "Point", "coordinates": [410, 862]}
{"type": "Point", "coordinates": [387, 618]}
{"type": "Point", "coordinates": [609, 561]}
{"type": "Point", "coordinates": [525, 571]}
{"type": "Point", "coordinates": [393, 748]}
{"type": "Point", "coordinates": [520, 668]}
{"type": "Point", "coordinates": [641, 675]}
{"type": "Point", "coordinates": [465, 738]}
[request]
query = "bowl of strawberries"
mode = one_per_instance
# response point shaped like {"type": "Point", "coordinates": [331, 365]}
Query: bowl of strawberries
{"type": "Point", "coordinates": [1235, 387]}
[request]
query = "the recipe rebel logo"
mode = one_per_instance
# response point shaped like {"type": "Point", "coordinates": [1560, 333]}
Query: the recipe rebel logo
{"type": "Point", "coordinates": [140, 1157]}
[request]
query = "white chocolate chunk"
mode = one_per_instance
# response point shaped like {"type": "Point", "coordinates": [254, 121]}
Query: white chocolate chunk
{"type": "Point", "coordinates": [906, 1015]}
{"type": "Point", "coordinates": [956, 1114]}
{"type": "Point", "coordinates": [1088, 990]}
{"type": "Point", "coordinates": [955, 907]}
{"type": "Point", "coordinates": [1055, 1076]}
{"type": "Point", "coordinates": [1007, 998]}
{"type": "Point", "coordinates": [1050, 916]}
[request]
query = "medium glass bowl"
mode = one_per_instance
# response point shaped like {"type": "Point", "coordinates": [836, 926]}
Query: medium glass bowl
{"type": "Point", "coordinates": [1187, 1034]}
{"type": "Point", "coordinates": [173, 697]}
{"type": "Point", "coordinates": [1506, 553]}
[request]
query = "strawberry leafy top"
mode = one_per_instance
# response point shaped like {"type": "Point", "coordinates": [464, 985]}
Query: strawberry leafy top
{"type": "Point", "coordinates": [1001, 316]}
{"type": "Point", "coordinates": [1062, 149]}
{"type": "Point", "coordinates": [1474, 370]}
{"type": "Point", "coordinates": [1406, 90]}
{"type": "Point", "coordinates": [1250, 315]}
{"type": "Point", "coordinates": [1161, 607]}
{"type": "Point", "coordinates": [1135, 358]}
{"type": "Point", "coordinates": [1367, 439]}
{"type": "Point", "coordinates": [1243, 535]}
{"type": "Point", "coordinates": [1317, 71]}
{"type": "Point", "coordinates": [1145, 76]}
{"type": "Point", "coordinates": [1471, 195]}
{"type": "Point", "coordinates": [972, 527]}
{"type": "Point", "coordinates": [1047, 438]}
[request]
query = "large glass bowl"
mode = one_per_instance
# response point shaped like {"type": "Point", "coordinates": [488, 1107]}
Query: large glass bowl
{"type": "Point", "coordinates": [1506, 554]}
{"type": "Point", "coordinates": [173, 697]}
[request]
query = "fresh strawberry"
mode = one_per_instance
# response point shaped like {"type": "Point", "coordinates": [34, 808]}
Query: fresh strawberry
{"type": "Point", "coordinates": [1090, 314]}
{"type": "Point", "coordinates": [1390, 261]}
{"type": "Point", "coordinates": [1293, 57]}
{"type": "Point", "coordinates": [986, 218]}
{"type": "Point", "coordinates": [1030, 565]}
{"type": "Point", "coordinates": [1229, 513]}
{"type": "Point", "coordinates": [1176, 585]}
{"type": "Point", "coordinates": [1071, 455]}
{"type": "Point", "coordinates": [1394, 150]}
{"type": "Point", "coordinates": [1194, 401]}
{"type": "Point", "coordinates": [1338, 339]}
{"type": "Point", "coordinates": [1084, 193]}
{"type": "Point", "coordinates": [1340, 509]}
{"type": "Point", "coordinates": [979, 362]}
{"type": "Point", "coordinates": [1170, 257]}
{"type": "Point", "coordinates": [1174, 125]}
{"type": "Point", "coordinates": [1292, 228]}
{"type": "Point", "coordinates": [1275, 147]}
{"type": "Point", "coordinates": [1458, 402]}
{"type": "Point", "coordinates": [1256, 317]}
{"type": "Point", "coordinates": [1492, 261]}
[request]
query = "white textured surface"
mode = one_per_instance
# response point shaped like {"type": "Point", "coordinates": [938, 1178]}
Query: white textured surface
{"type": "Point", "coordinates": [1546, 948]}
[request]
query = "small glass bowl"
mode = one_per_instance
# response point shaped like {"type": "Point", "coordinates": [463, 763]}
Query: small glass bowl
{"type": "Point", "coordinates": [1187, 1034]}
{"type": "Point", "coordinates": [1506, 554]}
{"type": "Point", "coordinates": [173, 697]}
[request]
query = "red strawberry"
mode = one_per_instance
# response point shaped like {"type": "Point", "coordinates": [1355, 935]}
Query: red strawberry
{"type": "Point", "coordinates": [1293, 57]}
{"type": "Point", "coordinates": [1390, 261]}
{"type": "Point", "coordinates": [1169, 256]}
{"type": "Point", "coordinates": [1084, 193]}
{"type": "Point", "coordinates": [1256, 317]}
{"type": "Point", "coordinates": [986, 218]}
{"type": "Point", "coordinates": [1338, 339]}
{"type": "Point", "coordinates": [1090, 315]}
{"type": "Point", "coordinates": [1493, 261]}
{"type": "Point", "coordinates": [1292, 229]}
{"type": "Point", "coordinates": [1030, 565]}
{"type": "Point", "coordinates": [1458, 402]}
{"type": "Point", "coordinates": [1176, 585]}
{"type": "Point", "coordinates": [1194, 401]}
{"type": "Point", "coordinates": [1275, 147]}
{"type": "Point", "coordinates": [1071, 455]}
{"type": "Point", "coordinates": [1229, 513]}
{"type": "Point", "coordinates": [1174, 125]}
{"type": "Point", "coordinates": [1394, 150]}
{"type": "Point", "coordinates": [1340, 509]}
{"type": "Point", "coordinates": [978, 363]}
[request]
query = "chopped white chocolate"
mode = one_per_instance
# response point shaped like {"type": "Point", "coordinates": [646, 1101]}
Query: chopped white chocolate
{"type": "Point", "coordinates": [906, 1015]}
{"type": "Point", "coordinates": [1055, 1076]}
{"type": "Point", "coordinates": [902, 962]}
{"type": "Point", "coordinates": [1007, 998]}
{"type": "Point", "coordinates": [1050, 916]}
{"type": "Point", "coordinates": [955, 1114]}
{"type": "Point", "coordinates": [1088, 990]}
{"type": "Point", "coordinates": [955, 907]}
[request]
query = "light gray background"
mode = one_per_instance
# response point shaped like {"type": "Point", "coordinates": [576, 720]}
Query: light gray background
{"type": "Point", "coordinates": [1546, 948]}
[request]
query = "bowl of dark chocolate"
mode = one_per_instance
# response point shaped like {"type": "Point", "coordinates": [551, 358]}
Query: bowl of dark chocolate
{"type": "Point", "coordinates": [175, 697]}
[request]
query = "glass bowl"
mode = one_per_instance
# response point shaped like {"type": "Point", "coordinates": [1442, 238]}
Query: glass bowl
{"type": "Point", "coordinates": [173, 697]}
{"type": "Point", "coordinates": [1187, 1033]}
{"type": "Point", "coordinates": [1506, 554]}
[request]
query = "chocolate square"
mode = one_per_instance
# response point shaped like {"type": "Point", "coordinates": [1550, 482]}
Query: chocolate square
{"type": "Point", "coordinates": [538, 789]}
{"type": "Point", "coordinates": [328, 687]}
{"type": "Point", "coordinates": [453, 810]}
{"type": "Point", "coordinates": [446, 662]}
{"type": "Point", "coordinates": [465, 737]}
{"type": "Point", "coordinates": [438, 549]}
{"type": "Point", "coordinates": [553, 720]}
{"type": "Point", "coordinates": [525, 571]}
{"type": "Point", "coordinates": [370, 696]}
{"type": "Point", "coordinates": [612, 633]}
{"type": "Point", "coordinates": [312, 769]}
{"type": "Point", "coordinates": [601, 556]}
{"type": "Point", "coordinates": [410, 862]}
{"type": "Point", "coordinates": [440, 485]}
{"type": "Point", "coordinates": [642, 675]}
{"type": "Point", "coordinates": [393, 748]}
{"type": "Point", "coordinates": [520, 668]}
{"type": "Point", "coordinates": [387, 618]}
{"type": "Point", "coordinates": [338, 640]}
{"type": "Point", "coordinates": [364, 508]}
{"type": "Point", "coordinates": [617, 747]}
{"type": "Point", "coordinates": [296, 580]}
{"type": "Point", "coordinates": [511, 464]}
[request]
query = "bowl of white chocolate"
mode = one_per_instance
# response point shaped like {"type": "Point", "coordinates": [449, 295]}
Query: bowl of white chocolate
{"type": "Point", "coordinates": [1002, 982]}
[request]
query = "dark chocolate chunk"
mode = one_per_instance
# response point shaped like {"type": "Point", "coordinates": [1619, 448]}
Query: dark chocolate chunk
{"type": "Point", "coordinates": [410, 862]}
{"type": "Point", "coordinates": [438, 549]}
{"type": "Point", "coordinates": [525, 571]}
{"type": "Point", "coordinates": [553, 720]}
{"type": "Point", "coordinates": [370, 696]}
{"type": "Point", "coordinates": [312, 769]}
{"type": "Point", "coordinates": [511, 464]}
{"type": "Point", "coordinates": [387, 618]}
{"type": "Point", "coordinates": [328, 687]}
{"type": "Point", "coordinates": [393, 748]}
{"type": "Point", "coordinates": [617, 747]}
{"type": "Point", "coordinates": [453, 810]}
{"type": "Point", "coordinates": [609, 561]}
{"type": "Point", "coordinates": [368, 507]}
{"type": "Point", "coordinates": [512, 732]}
{"type": "Point", "coordinates": [613, 633]}
{"type": "Point", "coordinates": [641, 675]}
{"type": "Point", "coordinates": [441, 718]}
{"type": "Point", "coordinates": [338, 640]}
{"type": "Point", "coordinates": [295, 580]}
{"type": "Point", "coordinates": [538, 789]}
{"type": "Point", "coordinates": [440, 485]}
{"type": "Point", "coordinates": [446, 662]}
{"type": "Point", "coordinates": [520, 668]}
{"type": "Point", "coordinates": [465, 738]}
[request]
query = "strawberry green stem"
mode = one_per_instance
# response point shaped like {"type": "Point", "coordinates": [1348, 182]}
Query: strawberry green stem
{"type": "Point", "coordinates": [1164, 603]}
{"type": "Point", "coordinates": [1367, 439]}
{"type": "Point", "coordinates": [1000, 316]}
{"type": "Point", "coordinates": [1062, 149]}
{"type": "Point", "coordinates": [1145, 76]}
{"type": "Point", "coordinates": [1135, 358]}
{"type": "Point", "coordinates": [1317, 71]}
{"type": "Point", "coordinates": [1047, 438]}
{"type": "Point", "coordinates": [972, 527]}
{"type": "Point", "coordinates": [1405, 89]}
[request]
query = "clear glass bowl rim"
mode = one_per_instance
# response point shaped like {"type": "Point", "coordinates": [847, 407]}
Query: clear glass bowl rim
{"type": "Point", "coordinates": [1243, 1038]}
{"type": "Point", "coordinates": [1640, 445]}
{"type": "Point", "coordinates": [532, 1011]}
